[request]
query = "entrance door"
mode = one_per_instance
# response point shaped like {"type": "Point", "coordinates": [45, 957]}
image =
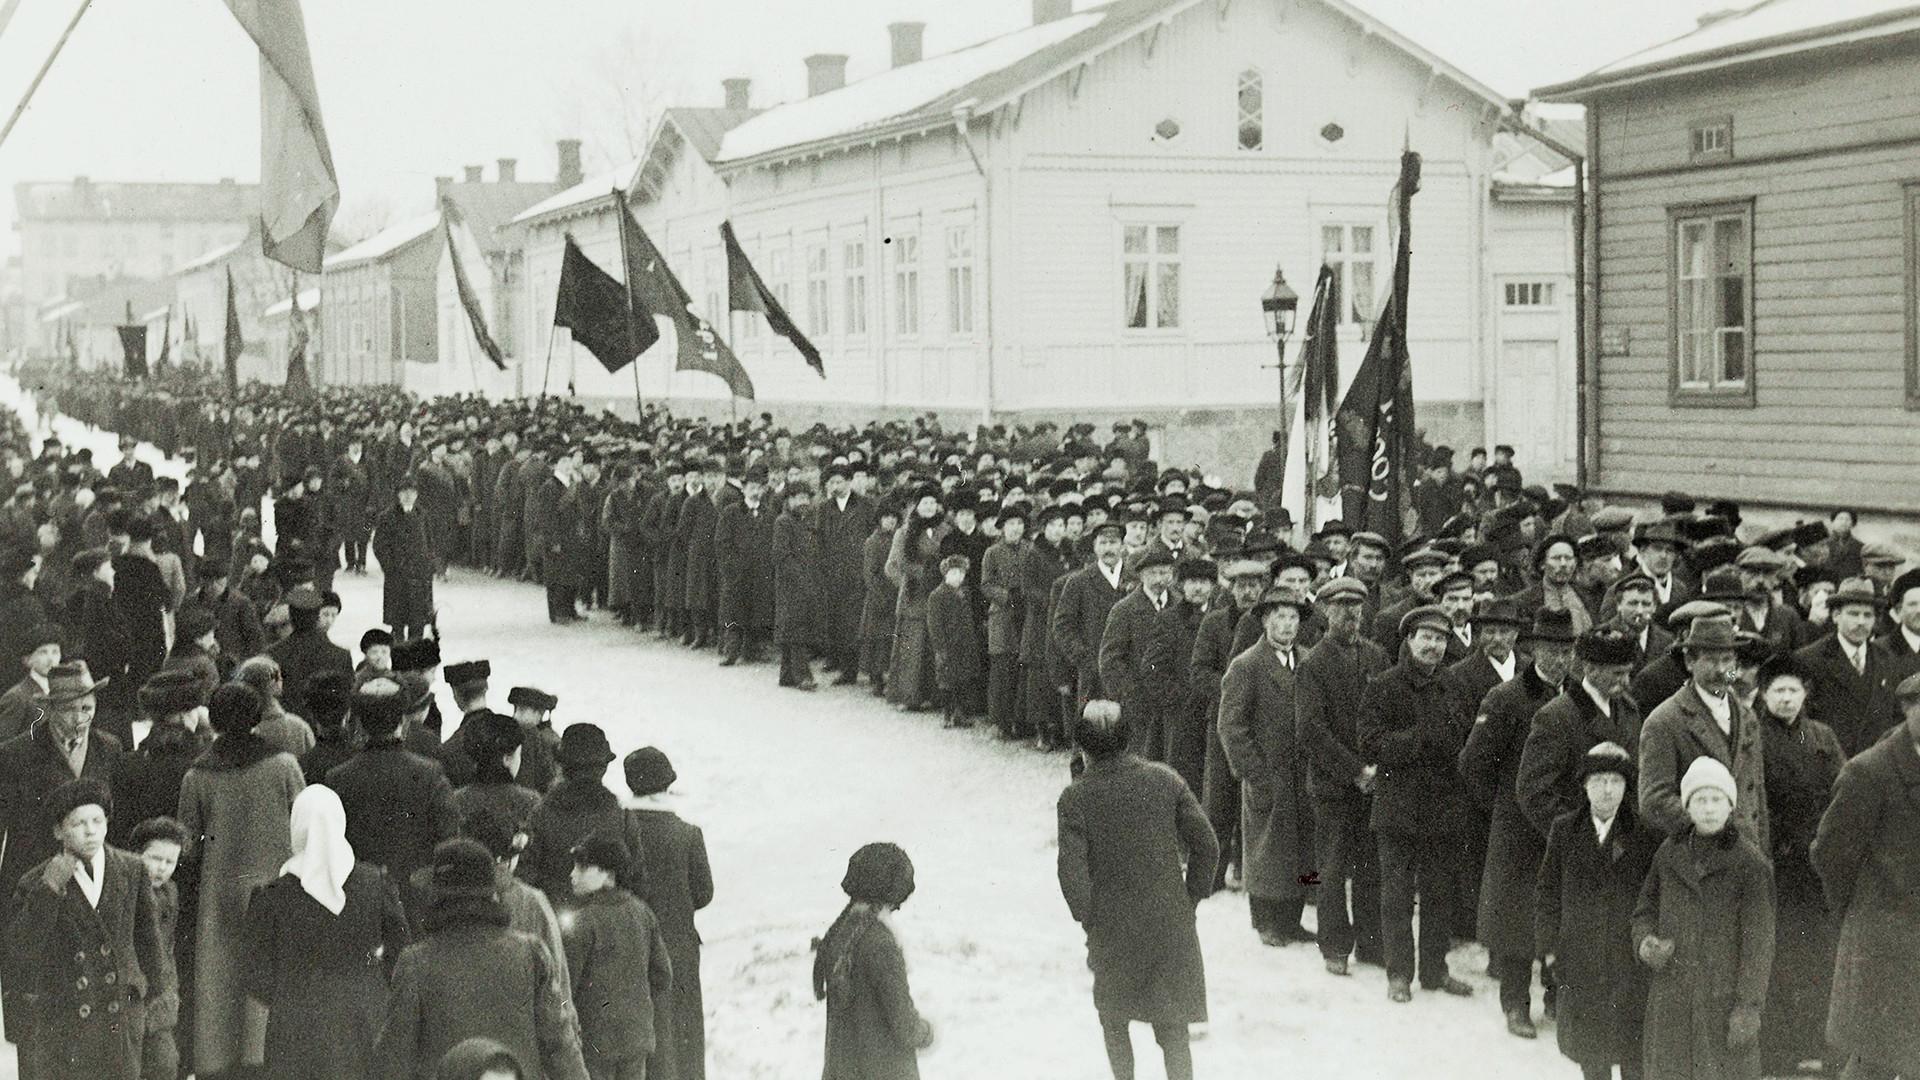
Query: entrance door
{"type": "Point", "coordinates": [1534, 409]}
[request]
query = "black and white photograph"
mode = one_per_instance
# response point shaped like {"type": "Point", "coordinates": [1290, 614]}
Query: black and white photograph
{"type": "Point", "coordinates": [960, 539]}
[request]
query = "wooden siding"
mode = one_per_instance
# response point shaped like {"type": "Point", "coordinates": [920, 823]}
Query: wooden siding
{"type": "Point", "coordinates": [1828, 424]}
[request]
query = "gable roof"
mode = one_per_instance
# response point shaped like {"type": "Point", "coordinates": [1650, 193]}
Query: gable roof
{"type": "Point", "coordinates": [987, 75]}
{"type": "Point", "coordinates": [1767, 29]}
{"type": "Point", "coordinates": [489, 206]}
{"type": "Point", "coordinates": [385, 242]}
{"type": "Point", "coordinates": [700, 128]}
{"type": "Point", "coordinates": [583, 196]}
{"type": "Point", "coordinates": [215, 257]}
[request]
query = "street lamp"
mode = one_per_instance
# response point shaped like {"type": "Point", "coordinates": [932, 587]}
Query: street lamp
{"type": "Point", "coordinates": [1278, 306]}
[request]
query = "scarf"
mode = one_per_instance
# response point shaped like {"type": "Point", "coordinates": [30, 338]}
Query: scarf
{"type": "Point", "coordinates": [322, 858]}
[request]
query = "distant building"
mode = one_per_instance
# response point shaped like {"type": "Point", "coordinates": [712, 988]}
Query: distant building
{"type": "Point", "coordinates": [1077, 219]}
{"type": "Point", "coordinates": [82, 228]}
{"type": "Point", "coordinates": [277, 326]}
{"type": "Point", "coordinates": [200, 303]}
{"type": "Point", "coordinates": [1757, 214]}
{"type": "Point", "coordinates": [377, 298]}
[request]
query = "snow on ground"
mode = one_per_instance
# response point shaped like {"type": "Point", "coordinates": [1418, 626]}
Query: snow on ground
{"type": "Point", "coordinates": [786, 785]}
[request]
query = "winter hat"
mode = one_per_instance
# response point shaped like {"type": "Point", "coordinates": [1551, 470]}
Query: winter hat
{"type": "Point", "coordinates": [1606, 645]}
{"type": "Point", "coordinates": [490, 736]}
{"type": "Point", "coordinates": [649, 772]}
{"type": "Point", "coordinates": [583, 746]}
{"type": "Point", "coordinates": [462, 868]}
{"type": "Point", "coordinates": [375, 636]}
{"type": "Point", "coordinates": [879, 873]}
{"type": "Point", "coordinates": [1606, 757]}
{"type": "Point", "coordinates": [376, 705]}
{"type": "Point", "coordinates": [172, 690]}
{"type": "Point", "coordinates": [74, 794]}
{"type": "Point", "coordinates": [234, 709]}
{"type": "Point", "coordinates": [604, 850]}
{"type": "Point", "coordinates": [1706, 772]}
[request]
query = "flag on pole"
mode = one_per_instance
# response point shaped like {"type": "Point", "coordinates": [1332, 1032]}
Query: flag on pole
{"type": "Point", "coordinates": [476, 315]}
{"type": "Point", "coordinates": [73, 349]}
{"type": "Point", "coordinates": [234, 343]}
{"type": "Point", "coordinates": [298, 384]}
{"type": "Point", "coordinates": [592, 305]}
{"type": "Point", "coordinates": [746, 292]}
{"type": "Point", "coordinates": [1373, 429]}
{"type": "Point", "coordinates": [299, 190]}
{"type": "Point", "coordinates": [653, 289]}
{"type": "Point", "coordinates": [1320, 379]}
{"type": "Point", "coordinates": [133, 346]}
{"type": "Point", "coordinates": [166, 342]}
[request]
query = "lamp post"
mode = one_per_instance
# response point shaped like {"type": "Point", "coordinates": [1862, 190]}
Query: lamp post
{"type": "Point", "coordinates": [1278, 306]}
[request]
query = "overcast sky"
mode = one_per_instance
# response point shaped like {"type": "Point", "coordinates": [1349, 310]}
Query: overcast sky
{"type": "Point", "coordinates": [411, 89]}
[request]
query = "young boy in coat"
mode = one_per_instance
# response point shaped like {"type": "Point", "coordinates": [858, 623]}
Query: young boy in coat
{"type": "Point", "coordinates": [621, 974]}
{"type": "Point", "coordinates": [158, 841]}
{"type": "Point", "coordinates": [1597, 856]}
{"type": "Point", "coordinates": [955, 639]}
{"type": "Point", "coordinates": [1704, 925]}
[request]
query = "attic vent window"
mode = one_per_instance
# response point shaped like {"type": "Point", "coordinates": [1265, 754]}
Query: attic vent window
{"type": "Point", "coordinates": [1167, 130]}
{"type": "Point", "coordinates": [1710, 140]}
{"type": "Point", "coordinates": [1333, 133]}
{"type": "Point", "coordinates": [1251, 107]}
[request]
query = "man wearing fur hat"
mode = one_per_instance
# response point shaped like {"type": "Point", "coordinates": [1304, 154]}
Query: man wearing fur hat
{"type": "Point", "coordinates": [1704, 718]}
{"type": "Point", "coordinates": [399, 803]}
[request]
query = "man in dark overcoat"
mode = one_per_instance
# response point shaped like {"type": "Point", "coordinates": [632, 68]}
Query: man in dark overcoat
{"type": "Point", "coordinates": [1001, 579]}
{"type": "Point", "coordinates": [659, 521]}
{"type": "Point", "coordinates": [406, 564]}
{"type": "Point", "coordinates": [799, 586]}
{"type": "Point", "coordinates": [306, 651]}
{"type": "Point", "coordinates": [1135, 856]}
{"type": "Point", "coordinates": [1593, 707]}
{"type": "Point", "coordinates": [1411, 723]}
{"type": "Point", "coordinates": [399, 803]}
{"type": "Point", "coordinates": [1852, 690]}
{"type": "Point", "coordinates": [1171, 657]}
{"type": "Point", "coordinates": [1247, 580]}
{"type": "Point", "coordinates": [350, 488]}
{"type": "Point", "coordinates": [1144, 694]}
{"type": "Point", "coordinates": [1490, 662]}
{"type": "Point", "coordinates": [842, 520]}
{"type": "Point", "coordinates": [1046, 562]}
{"type": "Point", "coordinates": [509, 493]}
{"type": "Point", "coordinates": [742, 537]}
{"type": "Point", "coordinates": [1087, 596]}
{"type": "Point", "coordinates": [1258, 728]}
{"type": "Point", "coordinates": [1868, 860]}
{"type": "Point", "coordinates": [1511, 861]}
{"type": "Point", "coordinates": [1329, 688]}
{"type": "Point", "coordinates": [1705, 718]}
{"type": "Point", "coordinates": [693, 534]}
{"type": "Point", "coordinates": [61, 746]}
{"type": "Point", "coordinates": [562, 536]}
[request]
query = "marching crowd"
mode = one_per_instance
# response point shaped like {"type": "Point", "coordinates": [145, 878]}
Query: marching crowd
{"type": "Point", "coordinates": [1662, 760]}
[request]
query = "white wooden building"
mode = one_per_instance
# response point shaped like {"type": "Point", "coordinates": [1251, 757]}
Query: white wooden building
{"type": "Point", "coordinates": [1077, 219]}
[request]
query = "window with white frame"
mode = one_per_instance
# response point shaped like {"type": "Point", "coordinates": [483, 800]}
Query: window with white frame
{"type": "Point", "coordinates": [1250, 99]}
{"type": "Point", "coordinates": [1713, 299]}
{"type": "Point", "coordinates": [1710, 140]}
{"type": "Point", "coordinates": [906, 284]}
{"type": "Point", "coordinates": [1351, 251]}
{"type": "Point", "coordinates": [1150, 277]}
{"type": "Point", "coordinates": [777, 277]}
{"type": "Point", "coordinates": [853, 286]}
{"type": "Point", "coordinates": [1529, 294]}
{"type": "Point", "coordinates": [819, 296]}
{"type": "Point", "coordinates": [960, 279]}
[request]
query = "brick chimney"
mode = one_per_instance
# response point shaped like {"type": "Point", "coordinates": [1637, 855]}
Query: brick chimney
{"type": "Point", "coordinates": [505, 168]}
{"type": "Point", "coordinates": [906, 41]}
{"type": "Point", "coordinates": [569, 173]}
{"type": "Point", "coordinates": [737, 92]}
{"type": "Point", "coordinates": [825, 72]}
{"type": "Point", "coordinates": [442, 185]}
{"type": "Point", "coordinates": [1046, 11]}
{"type": "Point", "coordinates": [473, 174]}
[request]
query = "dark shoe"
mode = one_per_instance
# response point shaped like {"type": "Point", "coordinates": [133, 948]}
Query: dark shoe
{"type": "Point", "coordinates": [1399, 991]}
{"type": "Point", "coordinates": [1453, 986]}
{"type": "Point", "coordinates": [1337, 965]}
{"type": "Point", "coordinates": [1520, 1025]}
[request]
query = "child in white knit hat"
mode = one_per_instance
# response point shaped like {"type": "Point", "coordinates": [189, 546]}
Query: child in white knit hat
{"type": "Point", "coordinates": [1704, 926]}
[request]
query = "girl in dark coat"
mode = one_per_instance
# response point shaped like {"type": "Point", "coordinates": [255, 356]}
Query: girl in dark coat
{"type": "Point", "coordinates": [873, 1030]}
{"type": "Point", "coordinates": [322, 940]}
{"type": "Point", "coordinates": [676, 880]}
{"type": "Point", "coordinates": [1803, 760]}
{"type": "Point", "coordinates": [882, 596]}
{"type": "Point", "coordinates": [1589, 881]}
{"type": "Point", "coordinates": [406, 563]}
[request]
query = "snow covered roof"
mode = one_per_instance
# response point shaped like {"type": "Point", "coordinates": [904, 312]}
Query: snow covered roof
{"type": "Point", "coordinates": [213, 257]}
{"type": "Point", "coordinates": [309, 300]}
{"type": "Point", "coordinates": [156, 315]}
{"type": "Point", "coordinates": [986, 75]}
{"type": "Point", "coordinates": [582, 194]}
{"type": "Point", "coordinates": [489, 206]}
{"type": "Point", "coordinates": [386, 241]}
{"type": "Point", "coordinates": [1766, 29]}
{"type": "Point", "coordinates": [60, 311]}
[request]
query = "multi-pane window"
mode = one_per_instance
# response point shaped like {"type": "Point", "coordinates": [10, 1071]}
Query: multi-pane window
{"type": "Point", "coordinates": [853, 285]}
{"type": "Point", "coordinates": [1350, 251]}
{"type": "Point", "coordinates": [777, 278]}
{"type": "Point", "coordinates": [1712, 299]}
{"type": "Point", "coordinates": [1251, 108]}
{"type": "Point", "coordinates": [1150, 277]}
{"type": "Point", "coordinates": [819, 298]}
{"type": "Point", "coordinates": [1529, 293]}
{"type": "Point", "coordinates": [906, 284]}
{"type": "Point", "coordinates": [1710, 140]}
{"type": "Point", "coordinates": [960, 279]}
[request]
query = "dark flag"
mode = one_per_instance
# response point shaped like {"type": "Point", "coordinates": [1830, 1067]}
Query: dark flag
{"type": "Point", "coordinates": [234, 343]}
{"type": "Point", "coordinates": [133, 343]}
{"type": "Point", "coordinates": [1320, 375]}
{"type": "Point", "coordinates": [655, 291]}
{"type": "Point", "coordinates": [476, 316]}
{"type": "Point", "coordinates": [592, 305]}
{"type": "Point", "coordinates": [298, 384]}
{"type": "Point", "coordinates": [746, 292]}
{"type": "Point", "coordinates": [73, 348]}
{"type": "Point", "coordinates": [166, 343]}
{"type": "Point", "coordinates": [1374, 427]}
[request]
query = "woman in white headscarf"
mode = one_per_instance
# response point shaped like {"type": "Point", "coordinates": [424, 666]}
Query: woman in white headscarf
{"type": "Point", "coordinates": [321, 942]}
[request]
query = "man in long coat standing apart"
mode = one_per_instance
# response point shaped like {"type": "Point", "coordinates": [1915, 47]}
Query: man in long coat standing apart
{"type": "Point", "coordinates": [1136, 855]}
{"type": "Point", "coordinates": [1257, 728]}
{"type": "Point", "coordinates": [1868, 854]}
{"type": "Point", "coordinates": [842, 521]}
{"type": "Point", "coordinates": [797, 587]}
{"type": "Point", "coordinates": [406, 565]}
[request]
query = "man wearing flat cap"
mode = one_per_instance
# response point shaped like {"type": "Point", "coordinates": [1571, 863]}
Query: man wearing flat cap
{"type": "Point", "coordinates": [1761, 571]}
{"type": "Point", "coordinates": [1633, 605]}
{"type": "Point", "coordinates": [1412, 724]}
{"type": "Point", "coordinates": [1852, 686]}
{"type": "Point", "coordinates": [1425, 567]}
{"type": "Point", "coordinates": [1704, 718]}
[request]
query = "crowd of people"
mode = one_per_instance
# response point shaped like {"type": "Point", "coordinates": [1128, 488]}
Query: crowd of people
{"type": "Point", "coordinates": [1656, 758]}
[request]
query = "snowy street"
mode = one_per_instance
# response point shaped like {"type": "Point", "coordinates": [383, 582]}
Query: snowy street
{"type": "Point", "coordinates": [786, 785]}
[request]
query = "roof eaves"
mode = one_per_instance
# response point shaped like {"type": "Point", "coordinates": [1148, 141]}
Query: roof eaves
{"type": "Point", "coordinates": [1882, 25]}
{"type": "Point", "coordinates": [899, 127]}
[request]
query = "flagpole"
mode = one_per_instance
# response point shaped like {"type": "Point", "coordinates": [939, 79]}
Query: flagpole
{"type": "Point", "coordinates": [626, 264]}
{"type": "Point", "coordinates": [544, 376]}
{"type": "Point", "coordinates": [42, 73]}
